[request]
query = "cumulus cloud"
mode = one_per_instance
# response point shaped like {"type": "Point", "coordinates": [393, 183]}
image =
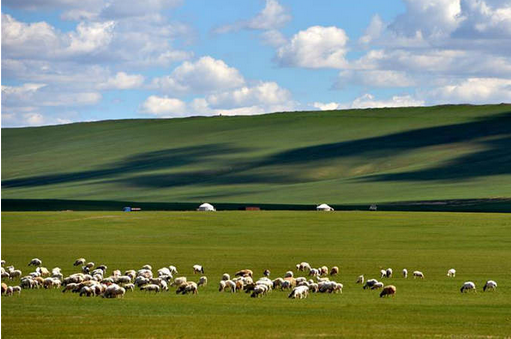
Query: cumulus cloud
{"type": "Point", "coordinates": [122, 80]}
{"type": "Point", "coordinates": [202, 76]}
{"type": "Point", "coordinates": [369, 101]}
{"type": "Point", "coordinates": [272, 17]}
{"type": "Point", "coordinates": [373, 31]}
{"type": "Point", "coordinates": [263, 93]}
{"type": "Point", "coordinates": [163, 106]}
{"type": "Point", "coordinates": [316, 47]}
{"type": "Point", "coordinates": [374, 78]}
{"type": "Point", "coordinates": [473, 90]}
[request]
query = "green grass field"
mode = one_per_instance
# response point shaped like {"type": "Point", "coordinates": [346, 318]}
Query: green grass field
{"type": "Point", "coordinates": [477, 245]}
{"type": "Point", "coordinates": [338, 157]}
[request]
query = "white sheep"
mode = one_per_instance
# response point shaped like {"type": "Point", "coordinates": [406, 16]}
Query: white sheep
{"type": "Point", "coordinates": [147, 267]}
{"type": "Point", "coordinates": [451, 273]}
{"type": "Point", "coordinates": [383, 273]}
{"type": "Point", "coordinates": [173, 269]}
{"type": "Point", "coordinates": [198, 269]}
{"type": "Point", "coordinates": [226, 276]}
{"type": "Point", "coordinates": [187, 287]}
{"type": "Point", "coordinates": [289, 274]}
{"type": "Point", "coordinates": [377, 285]}
{"type": "Point", "coordinates": [79, 261]}
{"type": "Point", "coordinates": [259, 290]}
{"type": "Point", "coordinates": [490, 285]}
{"type": "Point", "coordinates": [369, 283]}
{"type": "Point", "coordinates": [178, 281]}
{"type": "Point", "coordinates": [388, 273]}
{"type": "Point", "coordinates": [418, 274]}
{"type": "Point", "coordinates": [405, 273]}
{"type": "Point", "coordinates": [35, 262]}
{"type": "Point", "coordinates": [360, 279]}
{"type": "Point", "coordinates": [150, 288]}
{"type": "Point", "coordinates": [203, 281]}
{"type": "Point", "coordinates": [468, 286]}
{"type": "Point", "coordinates": [300, 292]}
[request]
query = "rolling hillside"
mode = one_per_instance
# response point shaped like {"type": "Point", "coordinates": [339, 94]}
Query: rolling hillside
{"type": "Point", "coordinates": [339, 157]}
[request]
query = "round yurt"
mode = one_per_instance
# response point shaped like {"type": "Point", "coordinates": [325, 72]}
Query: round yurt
{"type": "Point", "coordinates": [324, 207]}
{"type": "Point", "coordinates": [206, 207]}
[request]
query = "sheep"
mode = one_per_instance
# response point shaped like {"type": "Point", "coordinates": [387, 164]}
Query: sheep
{"type": "Point", "coordinates": [79, 261]}
{"type": "Point", "coordinates": [88, 291]}
{"type": "Point", "coordinates": [383, 273]}
{"type": "Point", "coordinates": [221, 286]}
{"type": "Point", "coordinates": [369, 283]}
{"type": "Point", "coordinates": [231, 285]}
{"type": "Point", "coordinates": [300, 292]}
{"type": "Point", "coordinates": [388, 272]}
{"type": "Point", "coordinates": [173, 269]}
{"type": "Point", "coordinates": [150, 288]}
{"type": "Point", "coordinates": [377, 286]}
{"type": "Point", "coordinates": [277, 283]}
{"type": "Point", "coordinates": [164, 271]}
{"type": "Point", "coordinates": [28, 283]}
{"type": "Point", "coordinates": [289, 274]}
{"type": "Point", "coordinates": [187, 287]}
{"type": "Point", "coordinates": [259, 290]}
{"type": "Point", "coordinates": [16, 289]}
{"type": "Point", "coordinates": [451, 273]}
{"type": "Point", "coordinates": [102, 267]}
{"type": "Point", "coordinates": [35, 262]}
{"type": "Point", "coordinates": [14, 274]}
{"type": "Point", "coordinates": [203, 281]}
{"type": "Point", "coordinates": [2, 262]}
{"type": "Point", "coordinates": [4, 288]}
{"type": "Point", "coordinates": [334, 271]}
{"type": "Point", "coordinates": [145, 273]}
{"type": "Point", "coordinates": [303, 266]}
{"type": "Point", "coordinates": [330, 287]}
{"type": "Point", "coordinates": [360, 279]}
{"type": "Point", "coordinates": [490, 285]}
{"type": "Point", "coordinates": [147, 267]}
{"type": "Point", "coordinates": [123, 279]}
{"type": "Point", "coordinates": [226, 276]}
{"type": "Point", "coordinates": [418, 274]}
{"type": "Point", "coordinates": [314, 272]}
{"type": "Point", "coordinates": [129, 287]}
{"type": "Point", "coordinates": [89, 265]}
{"type": "Point", "coordinates": [286, 285]}
{"type": "Point", "coordinates": [468, 286]}
{"type": "Point", "coordinates": [114, 291]}
{"type": "Point", "coordinates": [140, 281]}
{"type": "Point", "coordinates": [178, 281]}
{"type": "Point", "coordinates": [266, 273]}
{"type": "Point", "coordinates": [130, 273]}
{"type": "Point", "coordinates": [116, 273]}
{"type": "Point", "coordinates": [43, 271]}
{"type": "Point", "coordinates": [69, 287]}
{"type": "Point", "coordinates": [405, 273]}
{"type": "Point", "coordinates": [313, 287]}
{"type": "Point", "coordinates": [198, 269]}
{"type": "Point", "coordinates": [244, 273]}
{"type": "Point", "coordinates": [9, 291]}
{"type": "Point", "coordinates": [5, 274]}
{"type": "Point", "coordinates": [51, 283]}
{"type": "Point", "coordinates": [388, 290]}
{"type": "Point", "coordinates": [323, 270]}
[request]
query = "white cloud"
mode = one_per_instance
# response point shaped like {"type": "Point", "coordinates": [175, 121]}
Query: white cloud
{"type": "Point", "coordinates": [272, 17]}
{"type": "Point", "coordinates": [316, 47]}
{"type": "Point", "coordinates": [122, 80]}
{"type": "Point", "coordinates": [23, 90]}
{"type": "Point", "coordinates": [273, 38]}
{"type": "Point", "coordinates": [163, 106]}
{"type": "Point", "coordinates": [330, 106]}
{"type": "Point", "coordinates": [485, 19]}
{"type": "Point", "coordinates": [473, 90]}
{"type": "Point", "coordinates": [374, 78]}
{"type": "Point", "coordinates": [205, 75]}
{"type": "Point", "coordinates": [373, 31]}
{"type": "Point", "coordinates": [369, 101]}
{"type": "Point", "coordinates": [90, 37]}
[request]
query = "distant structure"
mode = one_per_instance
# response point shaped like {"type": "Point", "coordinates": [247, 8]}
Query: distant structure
{"type": "Point", "coordinates": [252, 208]}
{"type": "Point", "coordinates": [373, 207]}
{"type": "Point", "coordinates": [324, 207]}
{"type": "Point", "coordinates": [206, 207]}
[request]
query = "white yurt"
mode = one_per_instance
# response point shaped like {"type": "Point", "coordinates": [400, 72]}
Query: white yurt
{"type": "Point", "coordinates": [206, 207]}
{"type": "Point", "coordinates": [324, 207]}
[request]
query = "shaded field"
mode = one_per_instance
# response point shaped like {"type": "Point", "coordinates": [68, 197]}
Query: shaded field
{"type": "Point", "coordinates": [338, 157]}
{"type": "Point", "coordinates": [477, 245]}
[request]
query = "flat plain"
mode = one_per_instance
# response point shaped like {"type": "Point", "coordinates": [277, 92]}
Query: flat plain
{"type": "Point", "coordinates": [476, 245]}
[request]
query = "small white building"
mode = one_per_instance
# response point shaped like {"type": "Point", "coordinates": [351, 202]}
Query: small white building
{"type": "Point", "coordinates": [324, 207]}
{"type": "Point", "coordinates": [206, 207]}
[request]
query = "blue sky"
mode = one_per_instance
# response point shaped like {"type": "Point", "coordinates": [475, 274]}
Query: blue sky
{"type": "Point", "coordinates": [66, 61]}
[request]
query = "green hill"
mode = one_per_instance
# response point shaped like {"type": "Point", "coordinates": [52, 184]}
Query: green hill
{"type": "Point", "coordinates": [338, 157]}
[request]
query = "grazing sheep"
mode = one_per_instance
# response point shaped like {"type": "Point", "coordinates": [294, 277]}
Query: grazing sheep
{"type": "Point", "coordinates": [2, 262]}
{"type": "Point", "coordinates": [129, 287]}
{"type": "Point", "coordinates": [377, 286]}
{"type": "Point", "coordinates": [314, 288]}
{"type": "Point", "coordinates": [178, 281]}
{"type": "Point", "coordinates": [16, 289]}
{"type": "Point", "coordinates": [388, 290]}
{"type": "Point", "coordinates": [9, 291]}
{"type": "Point", "coordinates": [490, 285]}
{"type": "Point", "coordinates": [102, 267]}
{"type": "Point", "coordinates": [244, 273]}
{"type": "Point", "coordinates": [405, 273]}
{"type": "Point", "coordinates": [266, 273]}
{"type": "Point", "coordinates": [451, 273]}
{"type": "Point", "coordinates": [173, 269]}
{"type": "Point", "coordinates": [79, 261]}
{"type": "Point", "coordinates": [300, 292]}
{"type": "Point", "coordinates": [198, 269]}
{"type": "Point", "coordinates": [334, 271]}
{"type": "Point", "coordinates": [5, 274]}
{"type": "Point", "coordinates": [277, 283]}
{"type": "Point", "coordinates": [360, 279]}
{"type": "Point", "coordinates": [330, 287]}
{"type": "Point", "coordinates": [88, 291]}
{"type": "Point", "coordinates": [418, 274]}
{"type": "Point", "coordinates": [43, 271]}
{"type": "Point", "coordinates": [289, 274]}
{"type": "Point", "coordinates": [323, 270]}
{"type": "Point", "coordinates": [468, 286]}
{"type": "Point", "coordinates": [226, 276]}
{"type": "Point", "coordinates": [35, 262]}
{"type": "Point", "coordinates": [388, 273]}
{"type": "Point", "coordinates": [147, 267]}
{"type": "Point", "coordinates": [187, 287]}
{"type": "Point", "coordinates": [14, 274]}
{"type": "Point", "coordinates": [369, 283]}
{"type": "Point", "coordinates": [303, 266]}
{"type": "Point", "coordinates": [203, 281]}
{"type": "Point", "coordinates": [314, 272]}
{"type": "Point", "coordinates": [150, 288]}
{"type": "Point", "coordinates": [51, 283]}
{"type": "Point", "coordinates": [89, 265]}
{"type": "Point", "coordinates": [4, 288]}
{"type": "Point", "coordinates": [259, 290]}
{"type": "Point", "coordinates": [114, 291]}
{"type": "Point", "coordinates": [383, 273]}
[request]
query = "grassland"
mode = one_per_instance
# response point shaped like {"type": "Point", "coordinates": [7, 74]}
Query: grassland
{"type": "Point", "coordinates": [477, 245]}
{"type": "Point", "coordinates": [353, 156]}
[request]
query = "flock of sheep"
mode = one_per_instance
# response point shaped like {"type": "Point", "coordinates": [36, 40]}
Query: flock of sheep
{"type": "Point", "coordinates": [93, 280]}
